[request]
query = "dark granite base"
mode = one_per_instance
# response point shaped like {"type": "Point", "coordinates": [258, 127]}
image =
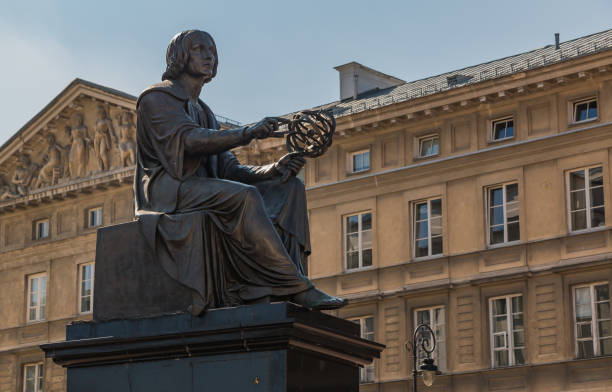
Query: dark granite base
{"type": "Point", "coordinates": [129, 282]}
{"type": "Point", "coordinates": [268, 347]}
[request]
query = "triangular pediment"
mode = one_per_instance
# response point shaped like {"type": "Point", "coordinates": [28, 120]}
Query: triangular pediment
{"type": "Point", "coordinates": [86, 132]}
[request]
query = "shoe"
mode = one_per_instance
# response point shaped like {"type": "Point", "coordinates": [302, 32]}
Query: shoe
{"type": "Point", "coordinates": [315, 299]}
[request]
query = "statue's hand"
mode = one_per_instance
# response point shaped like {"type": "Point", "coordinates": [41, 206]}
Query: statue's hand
{"type": "Point", "coordinates": [289, 165]}
{"type": "Point", "coordinates": [263, 128]}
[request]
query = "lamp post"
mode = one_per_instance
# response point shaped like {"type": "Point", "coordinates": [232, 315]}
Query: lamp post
{"type": "Point", "coordinates": [425, 339]}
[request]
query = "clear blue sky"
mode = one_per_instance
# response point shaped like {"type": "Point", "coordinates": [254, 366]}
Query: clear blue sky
{"type": "Point", "coordinates": [275, 56]}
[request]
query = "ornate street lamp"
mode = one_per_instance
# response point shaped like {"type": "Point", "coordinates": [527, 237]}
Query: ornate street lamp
{"type": "Point", "coordinates": [424, 339]}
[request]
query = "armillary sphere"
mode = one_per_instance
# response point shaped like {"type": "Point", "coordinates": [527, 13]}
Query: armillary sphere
{"type": "Point", "coordinates": [309, 133]}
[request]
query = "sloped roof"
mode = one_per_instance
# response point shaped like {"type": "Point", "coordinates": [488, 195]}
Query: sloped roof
{"type": "Point", "coordinates": [537, 58]}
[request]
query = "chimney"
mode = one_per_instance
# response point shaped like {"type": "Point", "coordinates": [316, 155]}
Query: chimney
{"type": "Point", "coordinates": [356, 79]}
{"type": "Point", "coordinates": [557, 47]}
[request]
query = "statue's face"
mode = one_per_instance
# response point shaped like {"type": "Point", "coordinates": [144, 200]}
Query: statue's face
{"type": "Point", "coordinates": [201, 56]}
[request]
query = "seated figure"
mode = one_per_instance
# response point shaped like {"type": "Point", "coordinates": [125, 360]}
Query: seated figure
{"type": "Point", "coordinates": [232, 233]}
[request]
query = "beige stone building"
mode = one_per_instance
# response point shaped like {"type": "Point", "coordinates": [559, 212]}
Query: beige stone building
{"type": "Point", "coordinates": [477, 201]}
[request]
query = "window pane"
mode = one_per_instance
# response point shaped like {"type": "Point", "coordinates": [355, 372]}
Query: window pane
{"type": "Point", "coordinates": [499, 131]}
{"type": "Point", "coordinates": [581, 111]}
{"type": "Point", "coordinates": [86, 288]}
{"type": "Point", "coordinates": [435, 147]}
{"type": "Point", "coordinates": [517, 321]}
{"type": "Point", "coordinates": [422, 229]}
{"type": "Point", "coordinates": [602, 292]}
{"type": "Point", "coordinates": [421, 211]}
{"type": "Point", "coordinates": [366, 221]}
{"type": "Point", "coordinates": [517, 304]}
{"type": "Point", "coordinates": [497, 215]}
{"type": "Point", "coordinates": [29, 387]}
{"type": "Point", "coordinates": [501, 358]}
{"type": "Point", "coordinates": [512, 212]}
{"type": "Point", "coordinates": [32, 315]}
{"type": "Point", "coordinates": [592, 109]}
{"type": "Point", "coordinates": [597, 197]}
{"type": "Point", "coordinates": [510, 128]}
{"type": "Point", "coordinates": [357, 162]}
{"type": "Point", "coordinates": [577, 180]}
{"type": "Point", "coordinates": [436, 245]}
{"type": "Point", "coordinates": [426, 147]}
{"type": "Point", "coordinates": [30, 372]}
{"type": "Point", "coordinates": [367, 257]}
{"type": "Point", "coordinates": [583, 312]}
{"type": "Point", "coordinates": [499, 306]}
{"type": "Point", "coordinates": [436, 207]}
{"type": "Point", "coordinates": [583, 330]}
{"type": "Point", "coordinates": [519, 338]}
{"type": "Point", "coordinates": [499, 341]}
{"type": "Point", "coordinates": [585, 349]}
{"type": "Point", "coordinates": [85, 304]}
{"type": "Point", "coordinates": [519, 356]}
{"type": "Point", "coordinates": [369, 327]}
{"type": "Point", "coordinates": [578, 200]}
{"type": "Point", "coordinates": [578, 220]}
{"type": "Point", "coordinates": [496, 197]}
{"type": "Point", "coordinates": [604, 329]}
{"type": "Point", "coordinates": [596, 176]}
{"type": "Point", "coordinates": [352, 242]}
{"type": "Point", "coordinates": [352, 224]}
{"type": "Point", "coordinates": [423, 317]}
{"type": "Point", "coordinates": [352, 260]}
{"type": "Point", "coordinates": [366, 239]}
{"type": "Point", "coordinates": [421, 249]}
{"type": "Point", "coordinates": [511, 193]}
{"type": "Point", "coordinates": [513, 232]}
{"type": "Point", "coordinates": [500, 324]}
{"type": "Point", "coordinates": [436, 226]}
{"type": "Point", "coordinates": [497, 235]}
{"type": "Point", "coordinates": [366, 160]}
{"type": "Point", "coordinates": [598, 217]}
{"type": "Point", "coordinates": [605, 346]}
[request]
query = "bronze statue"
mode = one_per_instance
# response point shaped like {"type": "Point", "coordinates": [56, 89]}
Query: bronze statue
{"type": "Point", "coordinates": [232, 233]}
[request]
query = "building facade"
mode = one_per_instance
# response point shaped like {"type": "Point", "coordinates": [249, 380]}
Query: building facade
{"type": "Point", "coordinates": [476, 201]}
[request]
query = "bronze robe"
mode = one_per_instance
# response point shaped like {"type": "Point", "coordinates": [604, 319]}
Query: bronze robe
{"type": "Point", "coordinates": [232, 233]}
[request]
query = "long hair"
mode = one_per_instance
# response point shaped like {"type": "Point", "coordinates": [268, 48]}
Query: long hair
{"type": "Point", "coordinates": [177, 55]}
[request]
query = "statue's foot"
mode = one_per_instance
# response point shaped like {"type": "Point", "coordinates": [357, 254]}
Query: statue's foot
{"type": "Point", "coordinates": [317, 300]}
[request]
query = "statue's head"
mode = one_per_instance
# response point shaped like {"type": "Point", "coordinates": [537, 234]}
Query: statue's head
{"type": "Point", "coordinates": [50, 138]}
{"type": "Point", "coordinates": [192, 51]}
{"type": "Point", "coordinates": [102, 111]}
{"type": "Point", "coordinates": [78, 119]}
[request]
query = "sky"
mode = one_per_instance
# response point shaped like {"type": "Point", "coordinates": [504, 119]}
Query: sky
{"type": "Point", "coordinates": [275, 57]}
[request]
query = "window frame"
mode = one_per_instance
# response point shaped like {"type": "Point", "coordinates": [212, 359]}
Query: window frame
{"type": "Point", "coordinates": [363, 371]}
{"type": "Point", "coordinates": [90, 224]}
{"type": "Point", "coordinates": [594, 320]}
{"type": "Point", "coordinates": [509, 337]}
{"type": "Point", "coordinates": [360, 240]}
{"type": "Point", "coordinates": [429, 236]}
{"type": "Point", "coordinates": [37, 236]}
{"type": "Point", "coordinates": [574, 104]}
{"type": "Point", "coordinates": [351, 161]}
{"type": "Point", "coordinates": [504, 186]}
{"type": "Point", "coordinates": [498, 120]}
{"type": "Point", "coordinates": [588, 205]}
{"type": "Point", "coordinates": [424, 138]}
{"type": "Point", "coordinates": [40, 297]}
{"type": "Point", "coordinates": [80, 287]}
{"type": "Point", "coordinates": [436, 354]}
{"type": "Point", "coordinates": [38, 376]}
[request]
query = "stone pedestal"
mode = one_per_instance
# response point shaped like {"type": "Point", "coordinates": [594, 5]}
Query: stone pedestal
{"type": "Point", "coordinates": [266, 347]}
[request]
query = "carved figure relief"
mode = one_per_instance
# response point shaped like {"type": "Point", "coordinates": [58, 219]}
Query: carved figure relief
{"type": "Point", "coordinates": [104, 138]}
{"type": "Point", "coordinates": [53, 164]}
{"type": "Point", "coordinates": [22, 177]}
{"type": "Point", "coordinates": [79, 140]}
{"type": "Point", "coordinates": [127, 146]}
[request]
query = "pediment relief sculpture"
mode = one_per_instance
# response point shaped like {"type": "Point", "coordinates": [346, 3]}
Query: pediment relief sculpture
{"type": "Point", "coordinates": [98, 137]}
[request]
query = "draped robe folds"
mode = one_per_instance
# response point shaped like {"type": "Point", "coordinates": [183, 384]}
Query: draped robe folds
{"type": "Point", "coordinates": [231, 233]}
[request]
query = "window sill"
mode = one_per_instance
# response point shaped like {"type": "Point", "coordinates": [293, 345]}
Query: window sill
{"type": "Point", "coordinates": [356, 173]}
{"type": "Point", "coordinates": [424, 158]}
{"type": "Point", "coordinates": [588, 120]}
{"type": "Point", "coordinates": [504, 244]}
{"type": "Point", "coordinates": [361, 269]}
{"type": "Point", "coordinates": [587, 231]}
{"type": "Point", "coordinates": [496, 141]}
{"type": "Point", "coordinates": [427, 258]}
{"type": "Point", "coordinates": [32, 322]}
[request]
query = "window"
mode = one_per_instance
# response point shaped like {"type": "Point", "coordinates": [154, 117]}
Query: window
{"type": "Point", "coordinates": [503, 214]}
{"type": "Point", "coordinates": [507, 331]}
{"type": "Point", "coordinates": [359, 161]}
{"type": "Point", "coordinates": [585, 110]}
{"type": "Point", "coordinates": [358, 229]}
{"type": "Point", "coordinates": [41, 229]}
{"type": "Point", "coordinates": [94, 217]}
{"type": "Point", "coordinates": [592, 320]}
{"type": "Point", "coordinates": [428, 228]}
{"type": "Point", "coordinates": [366, 326]}
{"type": "Point", "coordinates": [586, 198]}
{"type": "Point", "coordinates": [429, 146]}
{"type": "Point", "coordinates": [86, 276]}
{"type": "Point", "coordinates": [33, 377]}
{"type": "Point", "coordinates": [434, 318]}
{"type": "Point", "coordinates": [502, 129]}
{"type": "Point", "coordinates": [37, 297]}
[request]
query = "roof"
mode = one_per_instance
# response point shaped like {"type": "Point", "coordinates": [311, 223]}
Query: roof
{"type": "Point", "coordinates": [537, 58]}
